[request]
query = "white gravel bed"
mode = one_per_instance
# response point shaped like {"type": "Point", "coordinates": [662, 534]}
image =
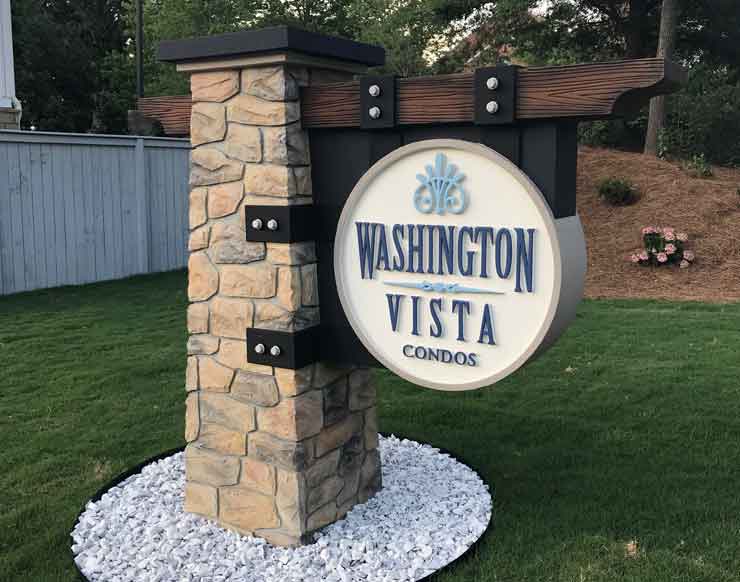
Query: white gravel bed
{"type": "Point", "coordinates": [430, 511]}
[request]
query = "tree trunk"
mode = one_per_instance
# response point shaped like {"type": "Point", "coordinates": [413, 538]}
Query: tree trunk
{"type": "Point", "coordinates": [666, 42]}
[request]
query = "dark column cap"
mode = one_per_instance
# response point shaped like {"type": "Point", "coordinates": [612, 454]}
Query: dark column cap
{"type": "Point", "coordinates": [270, 40]}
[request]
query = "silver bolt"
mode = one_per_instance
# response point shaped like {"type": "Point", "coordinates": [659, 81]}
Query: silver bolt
{"type": "Point", "coordinates": [275, 351]}
{"type": "Point", "coordinates": [492, 83]}
{"type": "Point", "coordinates": [257, 224]}
{"type": "Point", "coordinates": [259, 349]}
{"type": "Point", "coordinates": [374, 112]}
{"type": "Point", "coordinates": [374, 90]}
{"type": "Point", "coordinates": [492, 107]}
{"type": "Point", "coordinates": [272, 224]}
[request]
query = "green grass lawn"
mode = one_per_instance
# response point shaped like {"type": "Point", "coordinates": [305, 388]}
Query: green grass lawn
{"type": "Point", "coordinates": [628, 429]}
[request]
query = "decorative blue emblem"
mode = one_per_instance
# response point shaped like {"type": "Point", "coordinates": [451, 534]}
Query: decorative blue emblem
{"type": "Point", "coordinates": [440, 190]}
{"type": "Point", "coordinates": [442, 287]}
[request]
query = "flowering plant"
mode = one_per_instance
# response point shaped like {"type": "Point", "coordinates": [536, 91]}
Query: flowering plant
{"type": "Point", "coordinates": [663, 246]}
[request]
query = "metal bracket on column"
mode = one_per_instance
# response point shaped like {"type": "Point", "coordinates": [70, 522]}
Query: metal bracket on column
{"type": "Point", "coordinates": [283, 224]}
{"type": "Point", "coordinates": [494, 94]}
{"type": "Point", "coordinates": [283, 349]}
{"type": "Point", "coordinates": [377, 102]}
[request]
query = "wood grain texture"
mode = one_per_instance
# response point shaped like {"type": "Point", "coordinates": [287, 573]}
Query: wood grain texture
{"type": "Point", "coordinates": [591, 91]}
{"type": "Point", "coordinates": [172, 111]}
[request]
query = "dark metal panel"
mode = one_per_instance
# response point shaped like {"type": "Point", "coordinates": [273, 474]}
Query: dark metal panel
{"type": "Point", "coordinates": [293, 223]}
{"type": "Point", "coordinates": [548, 156]}
{"type": "Point", "coordinates": [296, 349]}
{"type": "Point", "coordinates": [267, 40]}
{"type": "Point", "coordinates": [383, 103]}
{"type": "Point", "coordinates": [502, 95]}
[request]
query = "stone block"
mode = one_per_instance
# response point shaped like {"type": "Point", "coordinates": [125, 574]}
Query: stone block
{"type": "Point", "coordinates": [270, 83]}
{"type": "Point", "coordinates": [291, 253]}
{"type": "Point", "coordinates": [257, 389]}
{"type": "Point", "coordinates": [335, 401]}
{"type": "Point", "coordinates": [325, 373]}
{"type": "Point", "coordinates": [213, 376]}
{"type": "Point", "coordinates": [198, 239]}
{"type": "Point", "coordinates": [324, 492]}
{"type": "Point", "coordinates": [323, 468]}
{"type": "Point", "coordinates": [208, 467]}
{"type": "Point", "coordinates": [230, 413]}
{"type": "Point", "coordinates": [269, 180]}
{"type": "Point", "coordinates": [370, 476]}
{"type": "Point", "coordinates": [303, 185]}
{"type": "Point", "coordinates": [229, 245]}
{"type": "Point", "coordinates": [290, 455]}
{"type": "Point", "coordinates": [352, 455]}
{"type": "Point", "coordinates": [215, 86]}
{"type": "Point", "coordinates": [192, 417]}
{"type": "Point", "coordinates": [291, 501]}
{"type": "Point", "coordinates": [287, 145]}
{"type": "Point", "coordinates": [338, 434]}
{"type": "Point", "coordinates": [293, 382]}
{"type": "Point", "coordinates": [233, 354]}
{"type": "Point", "coordinates": [258, 280]}
{"type": "Point", "coordinates": [211, 166]}
{"type": "Point", "coordinates": [197, 207]}
{"type": "Point", "coordinates": [258, 476]}
{"type": "Point", "coordinates": [202, 277]}
{"type": "Point", "coordinates": [201, 499]}
{"type": "Point", "coordinates": [289, 288]}
{"type": "Point", "coordinates": [198, 318]}
{"type": "Point", "coordinates": [252, 110]}
{"type": "Point", "coordinates": [191, 374]}
{"type": "Point", "coordinates": [247, 509]}
{"type": "Point", "coordinates": [207, 123]}
{"type": "Point", "coordinates": [293, 418]}
{"type": "Point", "coordinates": [230, 318]}
{"type": "Point", "coordinates": [202, 344]}
{"type": "Point", "coordinates": [322, 516]}
{"type": "Point", "coordinates": [244, 143]}
{"type": "Point", "coordinates": [349, 491]}
{"type": "Point", "coordinates": [222, 440]}
{"type": "Point", "coordinates": [362, 393]}
{"type": "Point", "coordinates": [371, 429]}
{"type": "Point", "coordinates": [273, 316]}
{"type": "Point", "coordinates": [224, 199]}
{"type": "Point", "coordinates": [309, 285]}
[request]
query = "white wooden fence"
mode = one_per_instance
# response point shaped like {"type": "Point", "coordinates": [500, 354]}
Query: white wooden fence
{"type": "Point", "coordinates": [81, 208]}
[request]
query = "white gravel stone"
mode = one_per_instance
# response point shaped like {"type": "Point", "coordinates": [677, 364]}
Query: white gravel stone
{"type": "Point", "coordinates": [430, 511]}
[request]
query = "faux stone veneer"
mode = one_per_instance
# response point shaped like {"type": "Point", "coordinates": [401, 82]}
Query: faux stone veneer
{"type": "Point", "coordinates": [271, 452]}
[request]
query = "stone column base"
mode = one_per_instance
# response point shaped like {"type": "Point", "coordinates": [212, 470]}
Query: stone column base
{"type": "Point", "coordinates": [10, 118]}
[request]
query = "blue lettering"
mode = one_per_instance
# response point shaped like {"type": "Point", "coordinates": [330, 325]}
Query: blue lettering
{"type": "Point", "coordinates": [466, 269]}
{"type": "Point", "coordinates": [366, 244]}
{"type": "Point", "coordinates": [435, 305]}
{"type": "Point", "coordinates": [398, 262]}
{"type": "Point", "coordinates": [503, 235]}
{"type": "Point", "coordinates": [462, 308]}
{"type": "Point", "coordinates": [485, 233]}
{"type": "Point", "coordinates": [394, 308]}
{"type": "Point", "coordinates": [524, 259]}
{"type": "Point", "coordinates": [486, 327]}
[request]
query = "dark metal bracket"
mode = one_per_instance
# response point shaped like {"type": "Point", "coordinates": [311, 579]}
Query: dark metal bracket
{"type": "Point", "coordinates": [283, 224]}
{"type": "Point", "coordinates": [283, 349]}
{"type": "Point", "coordinates": [377, 102]}
{"type": "Point", "coordinates": [494, 91]}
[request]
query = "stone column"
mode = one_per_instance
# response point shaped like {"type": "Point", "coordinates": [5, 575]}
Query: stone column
{"type": "Point", "coordinates": [10, 107]}
{"type": "Point", "coordinates": [277, 453]}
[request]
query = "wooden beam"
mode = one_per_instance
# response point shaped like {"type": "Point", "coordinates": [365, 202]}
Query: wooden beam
{"type": "Point", "coordinates": [590, 91]}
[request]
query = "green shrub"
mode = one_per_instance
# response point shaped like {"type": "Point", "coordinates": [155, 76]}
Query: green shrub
{"type": "Point", "coordinates": [698, 167]}
{"type": "Point", "coordinates": [618, 192]}
{"type": "Point", "coordinates": [703, 119]}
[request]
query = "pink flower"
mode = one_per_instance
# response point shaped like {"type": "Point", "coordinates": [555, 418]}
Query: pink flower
{"type": "Point", "coordinates": [643, 256]}
{"type": "Point", "coordinates": [634, 258]}
{"type": "Point", "coordinates": [648, 230]}
{"type": "Point", "coordinates": [668, 235]}
{"type": "Point", "coordinates": [668, 230]}
{"type": "Point", "coordinates": [682, 236]}
{"type": "Point", "coordinates": [670, 248]}
{"type": "Point", "coordinates": [662, 257]}
{"type": "Point", "coordinates": [688, 255]}
{"type": "Point", "coordinates": [684, 264]}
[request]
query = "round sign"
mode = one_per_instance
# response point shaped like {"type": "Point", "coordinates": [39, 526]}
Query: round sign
{"type": "Point", "coordinates": [448, 264]}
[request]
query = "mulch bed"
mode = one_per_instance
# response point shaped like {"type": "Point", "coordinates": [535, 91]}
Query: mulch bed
{"type": "Point", "coordinates": [708, 209]}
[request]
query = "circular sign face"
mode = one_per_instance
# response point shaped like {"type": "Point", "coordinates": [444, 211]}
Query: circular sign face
{"type": "Point", "coordinates": [448, 264]}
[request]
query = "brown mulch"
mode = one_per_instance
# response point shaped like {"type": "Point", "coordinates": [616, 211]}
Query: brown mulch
{"type": "Point", "coordinates": [707, 209]}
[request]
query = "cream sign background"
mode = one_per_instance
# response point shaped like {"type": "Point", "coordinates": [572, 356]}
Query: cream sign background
{"type": "Point", "coordinates": [478, 323]}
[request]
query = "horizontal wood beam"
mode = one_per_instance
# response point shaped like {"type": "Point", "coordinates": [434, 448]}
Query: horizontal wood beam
{"type": "Point", "coordinates": [590, 91]}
